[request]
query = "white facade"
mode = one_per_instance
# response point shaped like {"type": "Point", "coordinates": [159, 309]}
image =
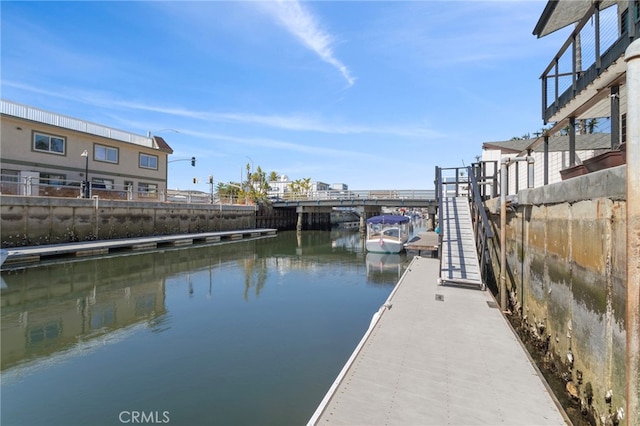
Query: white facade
{"type": "Point", "coordinates": [587, 146]}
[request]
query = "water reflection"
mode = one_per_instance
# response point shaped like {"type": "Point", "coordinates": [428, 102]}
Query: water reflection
{"type": "Point", "coordinates": [383, 267]}
{"type": "Point", "coordinates": [203, 332]}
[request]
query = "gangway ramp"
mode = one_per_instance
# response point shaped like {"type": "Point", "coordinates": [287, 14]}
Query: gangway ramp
{"type": "Point", "coordinates": [458, 257]}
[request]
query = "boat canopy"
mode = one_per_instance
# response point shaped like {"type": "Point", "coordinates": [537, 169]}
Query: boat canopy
{"type": "Point", "coordinates": [390, 219]}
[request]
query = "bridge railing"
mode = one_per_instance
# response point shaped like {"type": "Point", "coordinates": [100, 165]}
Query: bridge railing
{"type": "Point", "coordinates": [381, 194]}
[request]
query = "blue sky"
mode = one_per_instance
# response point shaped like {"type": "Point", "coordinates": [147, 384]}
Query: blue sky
{"type": "Point", "coordinates": [370, 94]}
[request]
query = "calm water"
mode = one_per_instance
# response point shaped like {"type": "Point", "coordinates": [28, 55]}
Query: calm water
{"type": "Point", "coordinates": [245, 333]}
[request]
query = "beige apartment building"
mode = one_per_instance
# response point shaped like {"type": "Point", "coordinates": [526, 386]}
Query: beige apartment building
{"type": "Point", "coordinates": [48, 154]}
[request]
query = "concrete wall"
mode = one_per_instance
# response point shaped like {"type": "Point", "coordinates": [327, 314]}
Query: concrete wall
{"type": "Point", "coordinates": [566, 279]}
{"type": "Point", "coordinates": [26, 221]}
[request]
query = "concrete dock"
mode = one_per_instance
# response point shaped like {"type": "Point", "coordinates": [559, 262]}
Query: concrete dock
{"type": "Point", "coordinates": [438, 355]}
{"type": "Point", "coordinates": [30, 254]}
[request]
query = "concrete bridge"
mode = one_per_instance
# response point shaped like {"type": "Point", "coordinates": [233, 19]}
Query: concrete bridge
{"type": "Point", "coordinates": [365, 203]}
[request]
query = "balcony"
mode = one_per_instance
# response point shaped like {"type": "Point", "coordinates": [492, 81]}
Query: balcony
{"type": "Point", "coordinates": [578, 81]}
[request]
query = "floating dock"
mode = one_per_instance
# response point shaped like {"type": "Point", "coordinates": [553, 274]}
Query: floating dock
{"type": "Point", "coordinates": [438, 355]}
{"type": "Point", "coordinates": [20, 255]}
{"type": "Point", "coordinates": [426, 242]}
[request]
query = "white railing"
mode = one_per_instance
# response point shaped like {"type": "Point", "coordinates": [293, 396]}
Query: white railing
{"type": "Point", "coordinates": [46, 117]}
{"type": "Point", "coordinates": [379, 194]}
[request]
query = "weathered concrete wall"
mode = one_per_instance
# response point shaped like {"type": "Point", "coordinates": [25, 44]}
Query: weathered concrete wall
{"type": "Point", "coordinates": [566, 279]}
{"type": "Point", "coordinates": [46, 220]}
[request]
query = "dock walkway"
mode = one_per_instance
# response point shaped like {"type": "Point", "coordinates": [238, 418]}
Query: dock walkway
{"type": "Point", "coordinates": [438, 355]}
{"type": "Point", "coordinates": [92, 248]}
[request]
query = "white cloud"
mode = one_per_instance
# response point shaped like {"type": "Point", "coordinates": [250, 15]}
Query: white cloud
{"type": "Point", "coordinates": [293, 122]}
{"type": "Point", "coordinates": [303, 25]}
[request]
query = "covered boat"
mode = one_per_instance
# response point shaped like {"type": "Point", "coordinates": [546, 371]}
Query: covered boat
{"type": "Point", "coordinates": [387, 233]}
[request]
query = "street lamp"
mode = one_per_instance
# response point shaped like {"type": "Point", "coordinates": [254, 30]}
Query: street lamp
{"type": "Point", "coordinates": [86, 192]}
{"type": "Point", "coordinates": [150, 133]}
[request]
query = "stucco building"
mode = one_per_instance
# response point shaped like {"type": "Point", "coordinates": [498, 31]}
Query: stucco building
{"type": "Point", "coordinates": [44, 153]}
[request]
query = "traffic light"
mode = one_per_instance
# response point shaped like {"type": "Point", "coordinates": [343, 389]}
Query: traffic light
{"type": "Point", "coordinates": [195, 180]}
{"type": "Point", "coordinates": [193, 162]}
{"type": "Point", "coordinates": [210, 179]}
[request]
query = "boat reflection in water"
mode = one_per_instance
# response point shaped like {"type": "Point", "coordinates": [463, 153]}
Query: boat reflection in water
{"type": "Point", "coordinates": [382, 267]}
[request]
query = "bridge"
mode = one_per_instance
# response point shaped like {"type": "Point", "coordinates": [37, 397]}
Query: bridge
{"type": "Point", "coordinates": [365, 203]}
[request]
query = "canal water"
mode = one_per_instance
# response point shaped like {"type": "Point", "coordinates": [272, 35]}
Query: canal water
{"type": "Point", "coordinates": [241, 333]}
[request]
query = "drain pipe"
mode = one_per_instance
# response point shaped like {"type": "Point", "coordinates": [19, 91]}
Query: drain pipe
{"type": "Point", "coordinates": [504, 166]}
{"type": "Point", "coordinates": [632, 56]}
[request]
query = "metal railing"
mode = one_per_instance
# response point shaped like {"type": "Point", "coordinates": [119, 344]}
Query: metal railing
{"type": "Point", "coordinates": [467, 182]}
{"type": "Point", "coordinates": [31, 186]}
{"type": "Point", "coordinates": [597, 41]}
{"type": "Point", "coordinates": [381, 194]}
{"type": "Point", "coordinates": [41, 116]}
{"type": "Point", "coordinates": [41, 187]}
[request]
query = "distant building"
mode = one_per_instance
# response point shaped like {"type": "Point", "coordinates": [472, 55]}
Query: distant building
{"type": "Point", "coordinates": [42, 154]}
{"type": "Point", "coordinates": [339, 187]}
{"type": "Point", "coordinates": [282, 189]}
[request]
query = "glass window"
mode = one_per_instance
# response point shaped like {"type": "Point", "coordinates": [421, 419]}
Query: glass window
{"type": "Point", "coordinates": [147, 188]}
{"type": "Point", "coordinates": [148, 161]}
{"type": "Point", "coordinates": [9, 175]}
{"type": "Point", "coordinates": [48, 143]}
{"type": "Point", "coordinates": [105, 153]}
{"type": "Point", "coordinates": [52, 179]}
{"type": "Point", "coordinates": [99, 183]}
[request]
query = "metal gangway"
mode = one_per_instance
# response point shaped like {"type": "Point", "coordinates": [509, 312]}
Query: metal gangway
{"type": "Point", "coordinates": [464, 228]}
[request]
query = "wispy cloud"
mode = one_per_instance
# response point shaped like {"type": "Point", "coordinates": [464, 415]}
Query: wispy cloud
{"type": "Point", "coordinates": [305, 27]}
{"type": "Point", "coordinates": [286, 122]}
{"type": "Point", "coordinates": [292, 122]}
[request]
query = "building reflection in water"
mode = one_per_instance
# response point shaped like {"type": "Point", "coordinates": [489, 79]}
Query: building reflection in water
{"type": "Point", "coordinates": [52, 308]}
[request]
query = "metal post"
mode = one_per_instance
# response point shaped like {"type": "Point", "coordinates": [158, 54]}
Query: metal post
{"type": "Point", "coordinates": [503, 233]}
{"type": "Point", "coordinates": [87, 192]}
{"type": "Point", "coordinates": [504, 189]}
{"type": "Point", "coordinates": [546, 159]}
{"type": "Point", "coordinates": [572, 141]}
{"type": "Point", "coordinates": [615, 117]}
{"type": "Point", "coordinates": [632, 56]}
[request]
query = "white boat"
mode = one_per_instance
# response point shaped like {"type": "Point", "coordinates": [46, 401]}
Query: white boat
{"type": "Point", "coordinates": [387, 233]}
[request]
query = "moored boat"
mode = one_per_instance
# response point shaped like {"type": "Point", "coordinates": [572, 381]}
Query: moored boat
{"type": "Point", "coordinates": [387, 233]}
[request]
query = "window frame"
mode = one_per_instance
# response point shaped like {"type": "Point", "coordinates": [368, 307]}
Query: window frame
{"type": "Point", "coordinates": [107, 149]}
{"type": "Point", "coordinates": [148, 156]}
{"type": "Point", "coordinates": [49, 137]}
{"type": "Point", "coordinates": [146, 189]}
{"type": "Point", "coordinates": [58, 179]}
{"type": "Point", "coordinates": [108, 183]}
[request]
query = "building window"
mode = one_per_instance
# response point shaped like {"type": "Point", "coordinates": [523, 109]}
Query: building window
{"type": "Point", "coordinates": [149, 161]}
{"type": "Point", "coordinates": [105, 153]}
{"type": "Point", "coordinates": [623, 128]}
{"type": "Point", "coordinates": [48, 143]}
{"type": "Point", "coordinates": [53, 179]}
{"type": "Point", "coordinates": [9, 181]}
{"type": "Point", "coordinates": [147, 189]}
{"type": "Point", "coordinates": [99, 183]}
{"type": "Point", "coordinates": [44, 335]}
{"type": "Point", "coordinates": [7, 175]}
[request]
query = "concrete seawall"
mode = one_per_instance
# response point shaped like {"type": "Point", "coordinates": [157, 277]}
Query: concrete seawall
{"type": "Point", "coordinates": [566, 280]}
{"type": "Point", "coordinates": [28, 221]}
